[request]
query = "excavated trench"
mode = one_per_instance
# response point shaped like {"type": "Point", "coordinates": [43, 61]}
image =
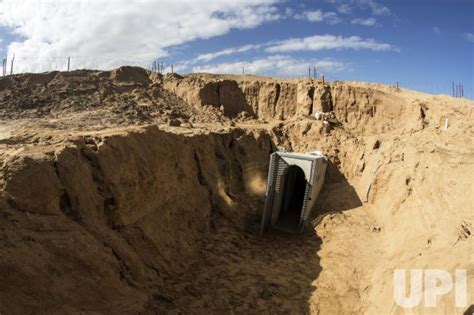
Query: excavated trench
{"type": "Point", "coordinates": [153, 221]}
{"type": "Point", "coordinates": [150, 219]}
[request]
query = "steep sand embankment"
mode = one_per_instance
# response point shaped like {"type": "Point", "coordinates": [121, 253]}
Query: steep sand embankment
{"type": "Point", "coordinates": [105, 207]}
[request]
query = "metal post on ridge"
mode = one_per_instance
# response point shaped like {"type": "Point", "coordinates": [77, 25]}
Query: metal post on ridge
{"type": "Point", "coordinates": [12, 64]}
{"type": "Point", "coordinates": [4, 66]}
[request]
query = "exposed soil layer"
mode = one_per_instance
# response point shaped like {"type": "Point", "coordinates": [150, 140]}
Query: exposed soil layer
{"type": "Point", "coordinates": [131, 192]}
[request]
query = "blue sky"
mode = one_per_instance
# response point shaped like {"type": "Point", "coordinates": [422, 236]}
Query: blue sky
{"type": "Point", "coordinates": [425, 45]}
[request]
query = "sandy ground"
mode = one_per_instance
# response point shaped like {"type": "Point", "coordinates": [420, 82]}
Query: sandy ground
{"type": "Point", "coordinates": [128, 192]}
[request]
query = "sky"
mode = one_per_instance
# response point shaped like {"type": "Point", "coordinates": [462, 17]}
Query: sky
{"type": "Point", "coordinates": [425, 45]}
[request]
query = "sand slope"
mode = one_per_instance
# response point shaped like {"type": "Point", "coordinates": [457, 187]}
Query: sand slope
{"type": "Point", "coordinates": [130, 192]}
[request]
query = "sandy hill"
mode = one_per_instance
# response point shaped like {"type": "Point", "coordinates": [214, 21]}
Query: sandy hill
{"type": "Point", "coordinates": [130, 192]}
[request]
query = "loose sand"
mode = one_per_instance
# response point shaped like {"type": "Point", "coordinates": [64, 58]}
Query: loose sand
{"type": "Point", "coordinates": [129, 192]}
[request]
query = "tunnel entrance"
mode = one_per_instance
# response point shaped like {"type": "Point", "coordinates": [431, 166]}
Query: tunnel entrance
{"type": "Point", "coordinates": [294, 187]}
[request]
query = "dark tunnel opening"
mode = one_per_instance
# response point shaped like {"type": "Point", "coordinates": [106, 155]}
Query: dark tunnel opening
{"type": "Point", "coordinates": [294, 186]}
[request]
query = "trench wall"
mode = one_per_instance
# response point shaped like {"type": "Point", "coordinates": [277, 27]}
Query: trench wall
{"type": "Point", "coordinates": [260, 99]}
{"type": "Point", "coordinates": [118, 214]}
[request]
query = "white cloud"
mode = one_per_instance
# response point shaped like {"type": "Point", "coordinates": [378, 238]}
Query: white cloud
{"type": "Point", "coordinates": [313, 16]}
{"type": "Point", "coordinates": [289, 12]}
{"type": "Point", "coordinates": [331, 18]}
{"type": "Point", "coordinates": [275, 65]}
{"type": "Point", "coordinates": [436, 30]}
{"type": "Point", "coordinates": [469, 37]}
{"type": "Point", "coordinates": [377, 8]}
{"type": "Point", "coordinates": [365, 22]}
{"type": "Point", "coordinates": [319, 16]}
{"type": "Point", "coordinates": [226, 52]}
{"type": "Point", "coordinates": [322, 42]}
{"type": "Point", "coordinates": [344, 8]}
{"type": "Point", "coordinates": [118, 29]}
{"type": "Point", "coordinates": [316, 42]}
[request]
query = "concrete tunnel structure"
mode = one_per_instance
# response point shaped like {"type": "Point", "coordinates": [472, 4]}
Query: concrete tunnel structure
{"type": "Point", "coordinates": [293, 185]}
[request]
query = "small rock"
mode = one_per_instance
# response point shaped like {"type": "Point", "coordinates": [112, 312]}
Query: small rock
{"type": "Point", "coordinates": [174, 123]}
{"type": "Point", "coordinates": [376, 229]}
{"type": "Point", "coordinates": [376, 145]}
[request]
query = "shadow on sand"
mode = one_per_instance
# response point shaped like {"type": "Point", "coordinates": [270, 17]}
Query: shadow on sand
{"type": "Point", "coordinates": [336, 195]}
{"type": "Point", "coordinates": [242, 272]}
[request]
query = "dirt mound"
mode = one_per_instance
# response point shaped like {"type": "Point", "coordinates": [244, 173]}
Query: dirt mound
{"type": "Point", "coordinates": [128, 192]}
{"type": "Point", "coordinates": [126, 96]}
{"type": "Point", "coordinates": [131, 75]}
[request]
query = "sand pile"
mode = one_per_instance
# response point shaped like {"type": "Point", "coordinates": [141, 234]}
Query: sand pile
{"type": "Point", "coordinates": [127, 191]}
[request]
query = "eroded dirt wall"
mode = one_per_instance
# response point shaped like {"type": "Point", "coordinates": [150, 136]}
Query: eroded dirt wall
{"type": "Point", "coordinates": [261, 99]}
{"type": "Point", "coordinates": [106, 218]}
